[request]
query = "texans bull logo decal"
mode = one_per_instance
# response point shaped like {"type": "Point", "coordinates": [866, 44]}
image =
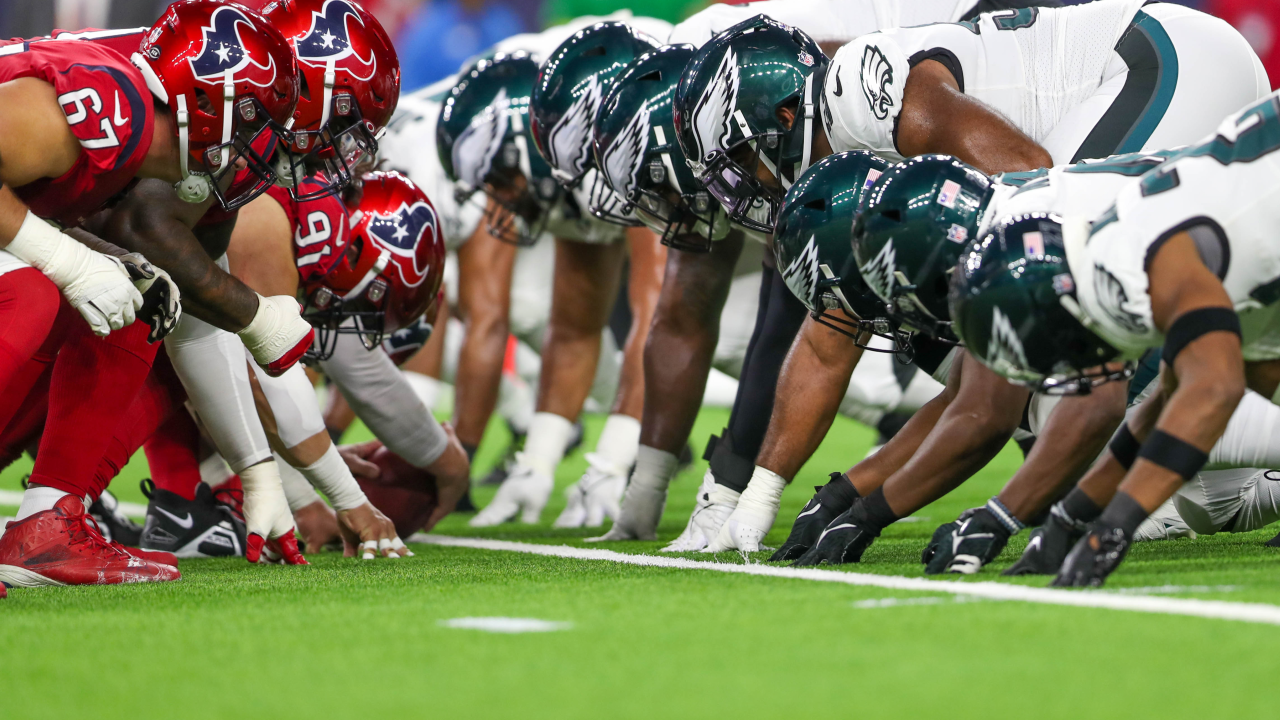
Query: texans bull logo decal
{"type": "Point", "coordinates": [403, 232]}
{"type": "Point", "coordinates": [329, 40]}
{"type": "Point", "coordinates": [222, 51]}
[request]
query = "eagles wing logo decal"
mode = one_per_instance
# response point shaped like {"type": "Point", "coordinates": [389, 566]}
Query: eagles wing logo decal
{"type": "Point", "coordinates": [1112, 299]}
{"type": "Point", "coordinates": [712, 112]}
{"type": "Point", "coordinates": [801, 276]}
{"type": "Point", "coordinates": [402, 231]}
{"type": "Point", "coordinates": [568, 141]}
{"type": "Point", "coordinates": [879, 272]}
{"type": "Point", "coordinates": [478, 145]}
{"type": "Point", "coordinates": [877, 75]}
{"type": "Point", "coordinates": [222, 51]}
{"type": "Point", "coordinates": [622, 158]}
{"type": "Point", "coordinates": [328, 40]}
{"type": "Point", "coordinates": [1005, 353]}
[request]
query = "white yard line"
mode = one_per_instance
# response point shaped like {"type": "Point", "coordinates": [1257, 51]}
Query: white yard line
{"type": "Point", "coordinates": [1243, 612]}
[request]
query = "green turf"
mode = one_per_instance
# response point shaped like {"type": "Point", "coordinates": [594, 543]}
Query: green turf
{"type": "Point", "coordinates": [349, 638]}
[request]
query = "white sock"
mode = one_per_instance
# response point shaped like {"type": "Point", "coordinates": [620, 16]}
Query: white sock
{"type": "Point", "coordinates": [654, 468]}
{"type": "Point", "coordinates": [38, 498]}
{"type": "Point", "coordinates": [549, 435]}
{"type": "Point", "coordinates": [619, 442]}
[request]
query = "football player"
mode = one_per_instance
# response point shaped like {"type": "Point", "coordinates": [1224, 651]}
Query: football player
{"type": "Point", "coordinates": [651, 174]}
{"type": "Point", "coordinates": [1166, 262]}
{"type": "Point", "coordinates": [260, 88]}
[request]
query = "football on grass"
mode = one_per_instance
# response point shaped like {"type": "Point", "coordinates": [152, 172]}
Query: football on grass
{"type": "Point", "coordinates": [402, 492]}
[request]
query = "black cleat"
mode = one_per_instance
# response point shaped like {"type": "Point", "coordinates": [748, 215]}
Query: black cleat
{"type": "Point", "coordinates": [115, 525]}
{"type": "Point", "coordinates": [1047, 548]}
{"type": "Point", "coordinates": [1096, 556]}
{"type": "Point", "coordinates": [202, 527]}
{"type": "Point", "coordinates": [808, 527]}
{"type": "Point", "coordinates": [966, 545]}
{"type": "Point", "coordinates": [843, 541]}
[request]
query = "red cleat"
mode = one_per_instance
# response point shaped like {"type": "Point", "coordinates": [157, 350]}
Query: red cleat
{"type": "Point", "coordinates": [62, 546]}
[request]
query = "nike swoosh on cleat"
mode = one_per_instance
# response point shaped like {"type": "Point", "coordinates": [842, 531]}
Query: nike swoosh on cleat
{"type": "Point", "coordinates": [184, 523]}
{"type": "Point", "coordinates": [810, 511]}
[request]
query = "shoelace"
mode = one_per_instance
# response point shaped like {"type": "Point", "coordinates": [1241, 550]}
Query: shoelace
{"type": "Point", "coordinates": [232, 499]}
{"type": "Point", "coordinates": [84, 529]}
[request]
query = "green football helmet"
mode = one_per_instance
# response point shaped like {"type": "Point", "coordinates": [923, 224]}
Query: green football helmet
{"type": "Point", "coordinates": [484, 144]}
{"type": "Point", "coordinates": [919, 217]}
{"type": "Point", "coordinates": [571, 84]}
{"type": "Point", "coordinates": [726, 115]}
{"type": "Point", "coordinates": [811, 243]}
{"type": "Point", "coordinates": [636, 150]}
{"type": "Point", "coordinates": [1014, 305]}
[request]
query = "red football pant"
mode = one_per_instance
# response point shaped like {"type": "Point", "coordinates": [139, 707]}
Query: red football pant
{"type": "Point", "coordinates": [94, 380]}
{"type": "Point", "coordinates": [28, 306]}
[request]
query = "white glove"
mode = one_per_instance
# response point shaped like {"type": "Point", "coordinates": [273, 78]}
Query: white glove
{"type": "Point", "coordinates": [524, 492]}
{"type": "Point", "coordinates": [266, 513]}
{"type": "Point", "coordinates": [96, 285]}
{"type": "Point", "coordinates": [278, 336]}
{"type": "Point", "coordinates": [161, 299]}
{"type": "Point", "coordinates": [595, 496]}
{"type": "Point", "coordinates": [754, 516]}
{"type": "Point", "coordinates": [712, 507]}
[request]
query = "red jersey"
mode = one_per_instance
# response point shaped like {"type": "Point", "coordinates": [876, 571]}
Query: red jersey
{"type": "Point", "coordinates": [321, 229]}
{"type": "Point", "coordinates": [108, 108]}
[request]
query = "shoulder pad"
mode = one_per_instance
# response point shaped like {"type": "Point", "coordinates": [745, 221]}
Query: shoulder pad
{"type": "Point", "coordinates": [863, 95]}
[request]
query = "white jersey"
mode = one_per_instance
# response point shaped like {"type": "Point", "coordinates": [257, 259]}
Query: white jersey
{"type": "Point", "coordinates": [1085, 189]}
{"type": "Point", "coordinates": [1031, 65]}
{"type": "Point", "coordinates": [823, 20]}
{"type": "Point", "coordinates": [1225, 193]}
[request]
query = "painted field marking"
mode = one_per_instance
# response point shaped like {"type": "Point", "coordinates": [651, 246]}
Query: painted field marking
{"type": "Point", "coordinates": [505, 625]}
{"type": "Point", "coordinates": [1214, 609]}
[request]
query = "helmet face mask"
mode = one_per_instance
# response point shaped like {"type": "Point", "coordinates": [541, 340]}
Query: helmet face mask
{"type": "Point", "coordinates": [1014, 304]}
{"type": "Point", "coordinates": [334, 153]}
{"type": "Point", "coordinates": [239, 170]}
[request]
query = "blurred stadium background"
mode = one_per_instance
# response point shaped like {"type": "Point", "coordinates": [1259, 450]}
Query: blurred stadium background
{"type": "Point", "coordinates": [434, 37]}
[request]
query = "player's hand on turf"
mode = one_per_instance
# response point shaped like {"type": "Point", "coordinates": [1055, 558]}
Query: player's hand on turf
{"type": "Point", "coordinates": [805, 531]}
{"type": "Point", "coordinates": [267, 516]}
{"type": "Point", "coordinates": [843, 541]}
{"type": "Point", "coordinates": [639, 515]}
{"type": "Point", "coordinates": [357, 457]}
{"type": "Point", "coordinates": [753, 517]}
{"type": "Point", "coordinates": [452, 471]}
{"type": "Point", "coordinates": [597, 495]}
{"type": "Point", "coordinates": [369, 533]}
{"type": "Point", "coordinates": [318, 526]}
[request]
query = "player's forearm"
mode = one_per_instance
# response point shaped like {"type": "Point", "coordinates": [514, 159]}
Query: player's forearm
{"type": "Point", "coordinates": [95, 243]}
{"type": "Point", "coordinates": [643, 291]}
{"type": "Point", "coordinates": [810, 388]}
{"type": "Point", "coordinates": [1079, 427]}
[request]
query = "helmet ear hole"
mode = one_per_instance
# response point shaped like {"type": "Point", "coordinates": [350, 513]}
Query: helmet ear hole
{"type": "Point", "coordinates": [597, 51]}
{"type": "Point", "coordinates": [204, 103]}
{"type": "Point", "coordinates": [819, 204]}
{"type": "Point", "coordinates": [892, 214]}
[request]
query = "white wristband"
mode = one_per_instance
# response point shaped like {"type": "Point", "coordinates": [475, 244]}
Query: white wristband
{"type": "Point", "coordinates": [331, 476]}
{"type": "Point", "coordinates": [46, 249]}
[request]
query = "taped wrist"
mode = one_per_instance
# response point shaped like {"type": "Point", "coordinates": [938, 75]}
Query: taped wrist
{"type": "Point", "coordinates": [273, 331]}
{"type": "Point", "coordinates": [873, 512]}
{"type": "Point", "coordinates": [45, 248]}
{"type": "Point", "coordinates": [1191, 325]}
{"type": "Point", "coordinates": [1008, 523]}
{"type": "Point", "coordinates": [1173, 453]}
{"type": "Point", "coordinates": [331, 476]}
{"type": "Point", "coordinates": [1124, 446]}
{"type": "Point", "coordinates": [765, 487]}
{"type": "Point", "coordinates": [838, 495]}
{"type": "Point", "coordinates": [297, 490]}
{"type": "Point", "coordinates": [1123, 512]}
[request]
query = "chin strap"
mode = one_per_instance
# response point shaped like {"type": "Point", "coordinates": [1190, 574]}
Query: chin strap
{"type": "Point", "coordinates": [383, 260]}
{"type": "Point", "coordinates": [809, 111]}
{"type": "Point", "coordinates": [192, 188]}
{"type": "Point", "coordinates": [330, 79]}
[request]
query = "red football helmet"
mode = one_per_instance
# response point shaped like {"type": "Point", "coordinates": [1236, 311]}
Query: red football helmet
{"type": "Point", "coordinates": [389, 273]}
{"type": "Point", "coordinates": [231, 82]}
{"type": "Point", "coordinates": [350, 85]}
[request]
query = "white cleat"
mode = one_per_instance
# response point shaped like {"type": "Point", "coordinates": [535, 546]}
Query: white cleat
{"type": "Point", "coordinates": [525, 492]}
{"type": "Point", "coordinates": [713, 505]}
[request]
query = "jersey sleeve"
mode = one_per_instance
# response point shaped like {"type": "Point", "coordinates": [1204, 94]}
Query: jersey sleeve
{"type": "Point", "coordinates": [107, 105]}
{"type": "Point", "coordinates": [321, 230]}
{"type": "Point", "coordinates": [862, 95]}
